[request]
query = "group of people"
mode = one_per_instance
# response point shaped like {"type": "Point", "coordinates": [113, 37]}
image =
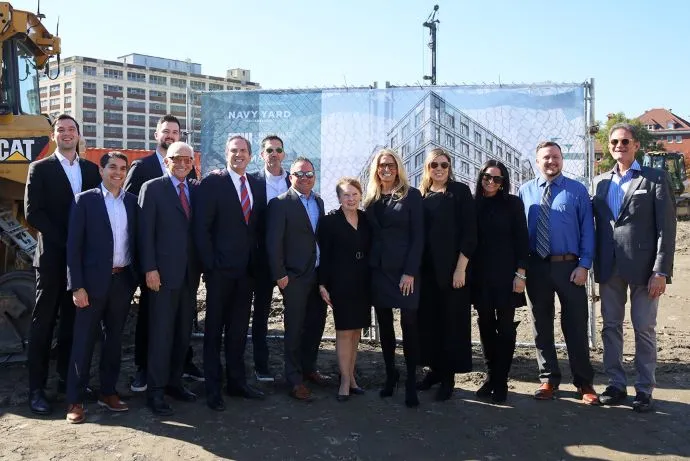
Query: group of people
{"type": "Point", "coordinates": [430, 253]}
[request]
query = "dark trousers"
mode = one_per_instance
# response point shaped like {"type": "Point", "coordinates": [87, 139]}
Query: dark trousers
{"type": "Point", "coordinates": [170, 328]}
{"type": "Point", "coordinates": [305, 319]}
{"type": "Point", "coordinates": [544, 280]}
{"type": "Point", "coordinates": [497, 333]}
{"type": "Point", "coordinates": [408, 322]}
{"type": "Point", "coordinates": [51, 297]}
{"type": "Point", "coordinates": [263, 295]}
{"type": "Point", "coordinates": [228, 305]}
{"type": "Point", "coordinates": [112, 310]}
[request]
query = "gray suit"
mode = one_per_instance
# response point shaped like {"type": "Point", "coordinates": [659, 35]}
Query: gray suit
{"type": "Point", "coordinates": [292, 252]}
{"type": "Point", "coordinates": [631, 247]}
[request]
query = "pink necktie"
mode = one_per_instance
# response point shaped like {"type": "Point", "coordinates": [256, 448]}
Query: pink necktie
{"type": "Point", "coordinates": [244, 199]}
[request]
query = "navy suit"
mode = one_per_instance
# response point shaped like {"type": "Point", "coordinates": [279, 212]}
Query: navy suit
{"type": "Point", "coordinates": [165, 242]}
{"type": "Point", "coordinates": [90, 266]}
{"type": "Point", "coordinates": [227, 247]}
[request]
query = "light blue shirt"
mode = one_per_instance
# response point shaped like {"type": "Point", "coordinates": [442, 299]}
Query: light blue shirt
{"type": "Point", "coordinates": [619, 186]}
{"type": "Point", "coordinates": [176, 185]}
{"type": "Point", "coordinates": [312, 208]}
{"type": "Point", "coordinates": [117, 214]}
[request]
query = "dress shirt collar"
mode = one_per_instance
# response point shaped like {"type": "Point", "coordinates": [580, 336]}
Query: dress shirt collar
{"type": "Point", "coordinates": [634, 167]}
{"type": "Point", "coordinates": [63, 159]}
{"type": "Point", "coordinates": [107, 193]}
{"type": "Point", "coordinates": [176, 182]}
{"type": "Point", "coordinates": [302, 196]}
{"type": "Point", "coordinates": [236, 176]}
{"type": "Point", "coordinates": [161, 158]}
{"type": "Point", "coordinates": [558, 180]}
{"type": "Point", "coordinates": [274, 178]}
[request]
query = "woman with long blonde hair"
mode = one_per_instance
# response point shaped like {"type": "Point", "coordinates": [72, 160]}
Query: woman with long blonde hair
{"type": "Point", "coordinates": [444, 310]}
{"type": "Point", "coordinates": [394, 210]}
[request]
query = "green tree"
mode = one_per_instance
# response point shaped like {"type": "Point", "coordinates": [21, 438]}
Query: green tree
{"type": "Point", "coordinates": [647, 142]}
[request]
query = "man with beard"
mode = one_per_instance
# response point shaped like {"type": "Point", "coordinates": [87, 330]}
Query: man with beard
{"type": "Point", "coordinates": [51, 186]}
{"type": "Point", "coordinates": [150, 167]}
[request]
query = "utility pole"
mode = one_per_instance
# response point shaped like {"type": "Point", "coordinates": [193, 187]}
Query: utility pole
{"type": "Point", "coordinates": [431, 23]}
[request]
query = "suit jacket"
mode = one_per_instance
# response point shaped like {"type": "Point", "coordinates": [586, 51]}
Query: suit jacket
{"type": "Point", "coordinates": [48, 198]}
{"type": "Point", "coordinates": [290, 240]}
{"type": "Point", "coordinates": [90, 242]}
{"type": "Point", "coordinates": [145, 169]}
{"type": "Point", "coordinates": [642, 239]}
{"type": "Point", "coordinates": [398, 235]}
{"type": "Point", "coordinates": [165, 232]}
{"type": "Point", "coordinates": [224, 240]}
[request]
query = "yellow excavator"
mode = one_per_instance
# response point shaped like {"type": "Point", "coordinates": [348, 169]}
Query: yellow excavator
{"type": "Point", "coordinates": [674, 164]}
{"type": "Point", "coordinates": [26, 47]}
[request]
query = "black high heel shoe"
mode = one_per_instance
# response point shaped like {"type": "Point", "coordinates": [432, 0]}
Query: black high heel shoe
{"type": "Point", "coordinates": [391, 385]}
{"type": "Point", "coordinates": [411, 399]}
{"type": "Point", "coordinates": [357, 391]}
{"type": "Point", "coordinates": [485, 391]}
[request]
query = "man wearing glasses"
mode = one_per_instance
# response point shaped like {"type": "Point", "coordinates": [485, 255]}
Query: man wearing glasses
{"type": "Point", "coordinates": [293, 254]}
{"type": "Point", "coordinates": [561, 238]}
{"type": "Point", "coordinates": [277, 182]}
{"type": "Point", "coordinates": [636, 235]}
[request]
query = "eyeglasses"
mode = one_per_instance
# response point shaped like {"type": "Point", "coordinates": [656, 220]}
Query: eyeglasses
{"type": "Point", "coordinates": [390, 166]}
{"type": "Point", "coordinates": [181, 159]}
{"type": "Point", "coordinates": [270, 150]}
{"type": "Point", "coordinates": [624, 141]}
{"type": "Point", "coordinates": [303, 174]}
{"type": "Point", "coordinates": [443, 165]}
{"type": "Point", "coordinates": [498, 180]}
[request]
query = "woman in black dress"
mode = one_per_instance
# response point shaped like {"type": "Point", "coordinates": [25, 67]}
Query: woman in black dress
{"type": "Point", "coordinates": [450, 236]}
{"type": "Point", "coordinates": [344, 278]}
{"type": "Point", "coordinates": [394, 210]}
{"type": "Point", "coordinates": [498, 274]}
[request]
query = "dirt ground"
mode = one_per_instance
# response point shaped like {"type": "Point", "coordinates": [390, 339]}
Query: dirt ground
{"type": "Point", "coordinates": [370, 428]}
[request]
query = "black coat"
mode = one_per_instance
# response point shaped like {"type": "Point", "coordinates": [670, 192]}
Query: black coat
{"type": "Point", "coordinates": [502, 248]}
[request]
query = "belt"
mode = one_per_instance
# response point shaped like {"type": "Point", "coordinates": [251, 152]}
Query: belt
{"type": "Point", "coordinates": [117, 270]}
{"type": "Point", "coordinates": [561, 258]}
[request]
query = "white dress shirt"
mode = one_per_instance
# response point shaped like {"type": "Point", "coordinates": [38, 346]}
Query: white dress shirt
{"type": "Point", "coordinates": [73, 172]}
{"type": "Point", "coordinates": [275, 185]}
{"type": "Point", "coordinates": [117, 214]}
{"type": "Point", "coordinates": [236, 182]}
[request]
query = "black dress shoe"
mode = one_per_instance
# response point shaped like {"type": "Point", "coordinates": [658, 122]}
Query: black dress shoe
{"type": "Point", "coordinates": [357, 391]}
{"type": "Point", "coordinates": [246, 391]}
{"type": "Point", "coordinates": [39, 403]}
{"type": "Point", "coordinates": [342, 397]}
{"type": "Point", "coordinates": [159, 406]}
{"type": "Point", "coordinates": [643, 402]}
{"type": "Point", "coordinates": [215, 402]}
{"type": "Point", "coordinates": [180, 393]}
{"type": "Point", "coordinates": [613, 396]}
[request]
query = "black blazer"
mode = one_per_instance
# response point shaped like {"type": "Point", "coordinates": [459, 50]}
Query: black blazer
{"type": "Point", "coordinates": [90, 242]}
{"type": "Point", "coordinates": [145, 169]}
{"type": "Point", "coordinates": [451, 230]}
{"type": "Point", "coordinates": [165, 233]}
{"type": "Point", "coordinates": [262, 254]}
{"type": "Point", "coordinates": [224, 241]}
{"type": "Point", "coordinates": [290, 240]}
{"type": "Point", "coordinates": [398, 238]}
{"type": "Point", "coordinates": [48, 198]}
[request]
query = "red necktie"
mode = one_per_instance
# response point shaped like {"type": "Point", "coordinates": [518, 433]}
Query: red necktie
{"type": "Point", "coordinates": [184, 201]}
{"type": "Point", "coordinates": [244, 199]}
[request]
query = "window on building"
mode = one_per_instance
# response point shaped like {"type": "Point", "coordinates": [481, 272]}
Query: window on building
{"type": "Point", "coordinates": [139, 106]}
{"type": "Point", "coordinates": [669, 138]}
{"type": "Point", "coordinates": [450, 120]}
{"type": "Point", "coordinates": [112, 117]}
{"type": "Point", "coordinates": [465, 130]}
{"type": "Point", "coordinates": [112, 143]}
{"type": "Point", "coordinates": [136, 92]}
{"type": "Point", "coordinates": [112, 73]}
{"type": "Point", "coordinates": [68, 87]}
{"type": "Point", "coordinates": [178, 109]}
{"type": "Point", "coordinates": [44, 105]}
{"type": "Point", "coordinates": [215, 87]}
{"type": "Point", "coordinates": [405, 150]}
{"type": "Point", "coordinates": [418, 159]}
{"type": "Point", "coordinates": [405, 130]}
{"type": "Point", "coordinates": [68, 100]}
{"type": "Point", "coordinates": [509, 158]}
{"type": "Point", "coordinates": [55, 88]}
{"type": "Point", "coordinates": [89, 70]}
{"type": "Point", "coordinates": [394, 141]}
{"type": "Point", "coordinates": [178, 97]}
{"type": "Point", "coordinates": [671, 125]}
{"type": "Point", "coordinates": [136, 77]}
{"type": "Point", "coordinates": [419, 139]}
{"type": "Point", "coordinates": [465, 149]}
{"type": "Point", "coordinates": [489, 145]}
{"type": "Point", "coordinates": [178, 82]}
{"type": "Point", "coordinates": [477, 156]}
{"type": "Point", "coordinates": [67, 71]}
{"type": "Point", "coordinates": [157, 107]}
{"type": "Point", "coordinates": [88, 129]}
{"type": "Point", "coordinates": [137, 133]}
{"type": "Point", "coordinates": [465, 168]}
{"type": "Point", "coordinates": [136, 119]}
{"type": "Point", "coordinates": [417, 180]}
{"type": "Point", "coordinates": [54, 102]}
{"type": "Point", "coordinates": [478, 138]}
{"type": "Point", "coordinates": [136, 144]}
{"type": "Point", "coordinates": [111, 131]}
{"type": "Point", "coordinates": [679, 139]}
{"type": "Point", "coordinates": [437, 134]}
{"type": "Point", "coordinates": [43, 91]}
{"type": "Point", "coordinates": [450, 141]}
{"type": "Point", "coordinates": [517, 160]}
{"type": "Point", "coordinates": [112, 89]}
{"type": "Point", "coordinates": [157, 94]}
{"type": "Point", "coordinates": [499, 152]}
{"type": "Point", "coordinates": [89, 87]}
{"type": "Point", "coordinates": [112, 104]}
{"type": "Point", "coordinates": [89, 101]}
{"type": "Point", "coordinates": [407, 165]}
{"type": "Point", "coordinates": [195, 85]}
{"type": "Point", "coordinates": [418, 118]}
{"type": "Point", "coordinates": [158, 80]}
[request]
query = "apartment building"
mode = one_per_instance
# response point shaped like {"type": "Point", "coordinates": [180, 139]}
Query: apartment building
{"type": "Point", "coordinates": [120, 102]}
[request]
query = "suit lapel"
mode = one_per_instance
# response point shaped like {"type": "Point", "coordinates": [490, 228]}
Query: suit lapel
{"type": "Point", "coordinates": [60, 173]}
{"type": "Point", "coordinates": [635, 184]}
{"type": "Point", "coordinates": [298, 203]}
{"type": "Point", "coordinates": [85, 180]}
{"type": "Point", "coordinates": [176, 200]}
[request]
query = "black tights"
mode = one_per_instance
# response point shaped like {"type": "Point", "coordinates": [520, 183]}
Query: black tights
{"type": "Point", "coordinates": [408, 322]}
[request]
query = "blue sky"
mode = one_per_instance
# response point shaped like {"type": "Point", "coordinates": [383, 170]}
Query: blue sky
{"type": "Point", "coordinates": [634, 49]}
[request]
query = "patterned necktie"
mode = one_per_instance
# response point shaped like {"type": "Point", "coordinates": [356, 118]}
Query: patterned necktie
{"type": "Point", "coordinates": [543, 237]}
{"type": "Point", "coordinates": [244, 199]}
{"type": "Point", "coordinates": [183, 200]}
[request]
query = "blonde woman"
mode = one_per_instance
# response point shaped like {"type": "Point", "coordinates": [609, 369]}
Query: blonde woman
{"type": "Point", "coordinates": [394, 210]}
{"type": "Point", "coordinates": [450, 231]}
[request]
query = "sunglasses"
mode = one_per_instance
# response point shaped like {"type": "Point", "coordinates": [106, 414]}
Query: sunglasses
{"type": "Point", "coordinates": [303, 174]}
{"type": "Point", "coordinates": [443, 165]}
{"type": "Point", "coordinates": [624, 141]}
{"type": "Point", "coordinates": [495, 179]}
{"type": "Point", "coordinates": [390, 166]}
{"type": "Point", "coordinates": [270, 150]}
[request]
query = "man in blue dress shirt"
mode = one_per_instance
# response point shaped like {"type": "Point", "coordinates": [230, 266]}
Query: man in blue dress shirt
{"type": "Point", "coordinates": [561, 234]}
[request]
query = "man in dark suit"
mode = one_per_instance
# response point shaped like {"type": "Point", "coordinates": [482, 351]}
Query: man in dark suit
{"type": "Point", "coordinates": [169, 263]}
{"type": "Point", "coordinates": [145, 169]}
{"type": "Point", "coordinates": [51, 186]}
{"type": "Point", "coordinates": [101, 247]}
{"type": "Point", "coordinates": [230, 205]}
{"type": "Point", "coordinates": [293, 254]}
{"type": "Point", "coordinates": [277, 182]}
{"type": "Point", "coordinates": [636, 235]}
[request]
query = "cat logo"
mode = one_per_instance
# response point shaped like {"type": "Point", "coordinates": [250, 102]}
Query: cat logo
{"type": "Point", "coordinates": [21, 150]}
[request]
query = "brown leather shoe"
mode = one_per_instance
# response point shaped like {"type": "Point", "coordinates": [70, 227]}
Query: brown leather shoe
{"type": "Point", "coordinates": [546, 391]}
{"type": "Point", "coordinates": [589, 395]}
{"type": "Point", "coordinates": [75, 414]}
{"type": "Point", "coordinates": [301, 392]}
{"type": "Point", "coordinates": [318, 379]}
{"type": "Point", "coordinates": [112, 403]}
